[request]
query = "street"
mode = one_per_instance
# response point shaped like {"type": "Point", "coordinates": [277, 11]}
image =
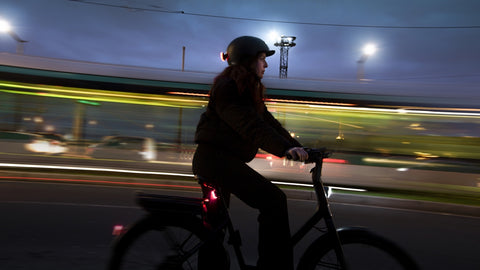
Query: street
{"type": "Point", "coordinates": [69, 226]}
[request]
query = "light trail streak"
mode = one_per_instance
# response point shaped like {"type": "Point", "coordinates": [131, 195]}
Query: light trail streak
{"type": "Point", "coordinates": [96, 182]}
{"type": "Point", "coordinates": [98, 99]}
{"type": "Point", "coordinates": [110, 96]}
{"type": "Point", "coordinates": [82, 92]}
{"type": "Point", "coordinates": [311, 185]}
{"type": "Point", "coordinates": [98, 95]}
{"type": "Point", "coordinates": [36, 166]}
{"type": "Point", "coordinates": [401, 162]}
{"type": "Point", "coordinates": [128, 171]}
{"type": "Point", "coordinates": [309, 102]}
{"type": "Point", "coordinates": [399, 111]}
{"type": "Point", "coordinates": [317, 118]}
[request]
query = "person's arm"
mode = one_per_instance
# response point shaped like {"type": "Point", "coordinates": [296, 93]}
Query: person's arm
{"type": "Point", "coordinates": [279, 128]}
{"type": "Point", "coordinates": [297, 152]}
{"type": "Point", "coordinates": [240, 114]}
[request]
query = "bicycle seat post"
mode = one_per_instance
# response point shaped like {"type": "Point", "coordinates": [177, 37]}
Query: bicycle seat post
{"type": "Point", "coordinates": [234, 238]}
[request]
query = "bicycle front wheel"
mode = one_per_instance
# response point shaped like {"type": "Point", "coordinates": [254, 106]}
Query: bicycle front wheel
{"type": "Point", "coordinates": [159, 243]}
{"type": "Point", "coordinates": [362, 250]}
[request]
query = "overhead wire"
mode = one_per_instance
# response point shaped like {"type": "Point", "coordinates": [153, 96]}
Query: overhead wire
{"type": "Point", "coordinates": [154, 8]}
{"type": "Point", "coordinates": [161, 10]}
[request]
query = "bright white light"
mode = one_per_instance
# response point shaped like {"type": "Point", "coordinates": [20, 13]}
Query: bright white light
{"type": "Point", "coordinates": [369, 49]}
{"type": "Point", "coordinates": [273, 36]}
{"type": "Point", "coordinates": [310, 185]}
{"type": "Point", "coordinates": [401, 111]}
{"type": "Point", "coordinates": [4, 26]}
{"type": "Point", "coordinates": [12, 165]}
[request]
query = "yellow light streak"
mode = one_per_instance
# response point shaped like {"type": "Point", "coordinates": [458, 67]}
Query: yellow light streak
{"type": "Point", "coordinates": [200, 101]}
{"type": "Point", "coordinates": [189, 94]}
{"type": "Point", "coordinates": [309, 102]}
{"type": "Point", "coordinates": [401, 162]}
{"type": "Point", "coordinates": [402, 111]}
{"type": "Point", "coordinates": [92, 94]}
{"type": "Point", "coordinates": [129, 101]}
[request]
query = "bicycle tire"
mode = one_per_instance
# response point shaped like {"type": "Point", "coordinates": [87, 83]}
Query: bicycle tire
{"type": "Point", "coordinates": [156, 243]}
{"type": "Point", "coordinates": [363, 249]}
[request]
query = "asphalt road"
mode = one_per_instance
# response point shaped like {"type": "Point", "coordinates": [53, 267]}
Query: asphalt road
{"type": "Point", "coordinates": [68, 226]}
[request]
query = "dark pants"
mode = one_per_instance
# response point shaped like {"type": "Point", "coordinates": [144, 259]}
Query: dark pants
{"type": "Point", "coordinates": [234, 176]}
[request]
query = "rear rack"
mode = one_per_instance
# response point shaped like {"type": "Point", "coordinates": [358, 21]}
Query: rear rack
{"type": "Point", "coordinates": [155, 203]}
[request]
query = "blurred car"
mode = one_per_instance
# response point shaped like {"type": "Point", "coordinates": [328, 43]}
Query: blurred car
{"type": "Point", "coordinates": [22, 142]}
{"type": "Point", "coordinates": [57, 143]}
{"type": "Point", "coordinates": [124, 147]}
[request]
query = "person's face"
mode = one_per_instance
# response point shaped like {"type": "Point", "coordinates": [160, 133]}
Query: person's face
{"type": "Point", "coordinates": [261, 64]}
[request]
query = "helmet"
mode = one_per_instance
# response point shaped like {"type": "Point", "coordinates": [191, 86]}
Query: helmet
{"type": "Point", "coordinates": [244, 48]}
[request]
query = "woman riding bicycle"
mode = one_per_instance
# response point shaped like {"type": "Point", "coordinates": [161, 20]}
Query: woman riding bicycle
{"type": "Point", "coordinates": [235, 125]}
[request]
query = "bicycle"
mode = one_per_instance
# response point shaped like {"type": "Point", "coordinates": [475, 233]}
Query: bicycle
{"type": "Point", "coordinates": [176, 228]}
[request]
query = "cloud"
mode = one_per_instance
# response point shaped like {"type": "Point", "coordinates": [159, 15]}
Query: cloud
{"type": "Point", "coordinates": [129, 36]}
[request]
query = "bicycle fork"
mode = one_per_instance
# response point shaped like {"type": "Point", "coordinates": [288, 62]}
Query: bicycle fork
{"type": "Point", "coordinates": [328, 216]}
{"type": "Point", "coordinates": [336, 242]}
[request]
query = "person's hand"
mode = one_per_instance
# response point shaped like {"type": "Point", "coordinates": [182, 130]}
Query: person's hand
{"type": "Point", "coordinates": [298, 153]}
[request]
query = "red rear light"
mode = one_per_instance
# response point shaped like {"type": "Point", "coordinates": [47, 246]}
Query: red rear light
{"type": "Point", "coordinates": [118, 230]}
{"type": "Point", "coordinates": [213, 196]}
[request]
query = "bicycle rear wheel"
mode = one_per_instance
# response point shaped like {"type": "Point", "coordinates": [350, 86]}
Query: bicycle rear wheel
{"type": "Point", "coordinates": [159, 243]}
{"type": "Point", "coordinates": [362, 249]}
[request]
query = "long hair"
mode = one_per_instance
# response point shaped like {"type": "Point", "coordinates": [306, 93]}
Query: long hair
{"type": "Point", "coordinates": [248, 83]}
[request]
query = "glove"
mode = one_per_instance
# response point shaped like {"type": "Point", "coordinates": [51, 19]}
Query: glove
{"type": "Point", "coordinates": [297, 153]}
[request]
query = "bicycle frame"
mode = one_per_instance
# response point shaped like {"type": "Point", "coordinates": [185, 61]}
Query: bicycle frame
{"type": "Point", "coordinates": [323, 212]}
{"type": "Point", "coordinates": [181, 205]}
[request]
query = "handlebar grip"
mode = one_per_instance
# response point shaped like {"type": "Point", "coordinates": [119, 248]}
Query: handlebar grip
{"type": "Point", "coordinates": [292, 157]}
{"type": "Point", "coordinates": [314, 154]}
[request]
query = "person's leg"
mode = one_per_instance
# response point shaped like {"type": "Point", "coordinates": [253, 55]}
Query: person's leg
{"type": "Point", "coordinates": [213, 254]}
{"type": "Point", "coordinates": [275, 248]}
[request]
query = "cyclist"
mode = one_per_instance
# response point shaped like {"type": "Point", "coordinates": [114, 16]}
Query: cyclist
{"type": "Point", "coordinates": [235, 125]}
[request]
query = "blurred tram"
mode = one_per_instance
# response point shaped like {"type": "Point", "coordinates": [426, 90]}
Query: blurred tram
{"type": "Point", "coordinates": [86, 102]}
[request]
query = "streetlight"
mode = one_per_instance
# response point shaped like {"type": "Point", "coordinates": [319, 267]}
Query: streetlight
{"type": "Point", "coordinates": [6, 28]}
{"type": "Point", "coordinates": [367, 51]}
{"type": "Point", "coordinates": [285, 43]}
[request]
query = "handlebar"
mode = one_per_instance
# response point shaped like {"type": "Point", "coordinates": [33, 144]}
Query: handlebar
{"type": "Point", "coordinates": [314, 154]}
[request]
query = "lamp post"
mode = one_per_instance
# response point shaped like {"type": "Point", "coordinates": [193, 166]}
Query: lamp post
{"type": "Point", "coordinates": [285, 43]}
{"type": "Point", "coordinates": [6, 28]}
{"type": "Point", "coordinates": [367, 51]}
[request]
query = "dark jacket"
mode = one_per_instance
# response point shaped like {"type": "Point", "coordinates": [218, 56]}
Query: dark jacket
{"type": "Point", "coordinates": [232, 124]}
